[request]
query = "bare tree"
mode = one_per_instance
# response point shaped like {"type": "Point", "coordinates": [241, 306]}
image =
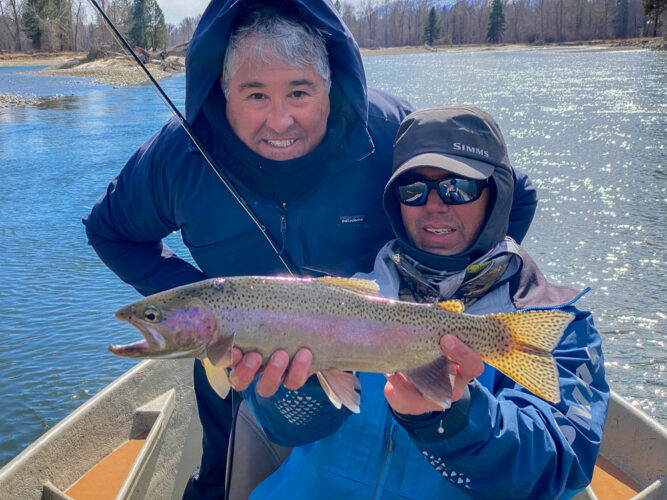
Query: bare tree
{"type": "Point", "coordinates": [181, 34]}
{"type": "Point", "coordinates": [119, 12]}
{"type": "Point", "coordinates": [369, 17]}
{"type": "Point", "coordinates": [396, 12]}
{"type": "Point", "coordinates": [348, 14]}
{"type": "Point", "coordinates": [10, 16]}
{"type": "Point", "coordinates": [78, 22]}
{"type": "Point", "coordinates": [519, 24]}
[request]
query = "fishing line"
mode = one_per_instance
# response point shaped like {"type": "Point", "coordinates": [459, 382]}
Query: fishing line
{"type": "Point", "coordinates": [120, 39]}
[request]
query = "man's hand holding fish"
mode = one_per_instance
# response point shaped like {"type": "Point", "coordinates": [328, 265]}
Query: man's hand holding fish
{"type": "Point", "coordinates": [278, 370]}
{"type": "Point", "coordinates": [404, 397]}
{"type": "Point", "coordinates": [401, 395]}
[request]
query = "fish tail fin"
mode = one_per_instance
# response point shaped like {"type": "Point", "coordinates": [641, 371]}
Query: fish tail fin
{"type": "Point", "coordinates": [529, 362]}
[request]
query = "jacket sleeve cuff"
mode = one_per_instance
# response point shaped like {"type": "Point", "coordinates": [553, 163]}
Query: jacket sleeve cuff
{"type": "Point", "coordinates": [436, 426]}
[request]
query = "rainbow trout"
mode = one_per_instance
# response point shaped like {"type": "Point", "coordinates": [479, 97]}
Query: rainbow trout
{"type": "Point", "coordinates": [347, 326]}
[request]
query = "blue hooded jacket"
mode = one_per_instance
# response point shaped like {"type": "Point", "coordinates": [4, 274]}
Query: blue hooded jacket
{"type": "Point", "coordinates": [335, 225]}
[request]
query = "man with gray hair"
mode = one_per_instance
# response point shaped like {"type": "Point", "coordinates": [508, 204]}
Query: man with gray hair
{"type": "Point", "coordinates": [276, 93]}
{"type": "Point", "coordinates": [268, 57]}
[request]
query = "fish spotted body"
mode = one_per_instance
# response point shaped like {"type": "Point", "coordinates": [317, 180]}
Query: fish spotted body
{"type": "Point", "coordinates": [347, 326]}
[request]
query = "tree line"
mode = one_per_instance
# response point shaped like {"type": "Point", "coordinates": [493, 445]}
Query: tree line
{"type": "Point", "coordinates": [58, 25]}
{"type": "Point", "coordinates": [71, 25]}
{"type": "Point", "coordinates": [392, 23]}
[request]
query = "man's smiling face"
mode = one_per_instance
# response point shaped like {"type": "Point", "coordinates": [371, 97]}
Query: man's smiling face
{"type": "Point", "coordinates": [443, 229]}
{"type": "Point", "coordinates": [279, 111]}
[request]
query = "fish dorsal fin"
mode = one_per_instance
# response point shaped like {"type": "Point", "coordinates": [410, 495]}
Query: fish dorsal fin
{"type": "Point", "coordinates": [453, 306]}
{"type": "Point", "coordinates": [353, 284]}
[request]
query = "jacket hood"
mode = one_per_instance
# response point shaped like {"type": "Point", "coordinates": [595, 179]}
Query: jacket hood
{"type": "Point", "coordinates": [207, 49]}
{"type": "Point", "coordinates": [432, 131]}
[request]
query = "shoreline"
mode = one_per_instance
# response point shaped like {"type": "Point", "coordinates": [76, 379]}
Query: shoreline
{"type": "Point", "coordinates": [621, 44]}
{"type": "Point", "coordinates": [8, 59]}
{"type": "Point", "coordinates": [118, 72]}
{"type": "Point", "coordinates": [122, 71]}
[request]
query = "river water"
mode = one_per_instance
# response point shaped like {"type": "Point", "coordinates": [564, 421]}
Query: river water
{"type": "Point", "coordinates": [589, 126]}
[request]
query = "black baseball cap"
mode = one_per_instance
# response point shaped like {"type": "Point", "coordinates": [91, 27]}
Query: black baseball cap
{"type": "Point", "coordinates": [463, 140]}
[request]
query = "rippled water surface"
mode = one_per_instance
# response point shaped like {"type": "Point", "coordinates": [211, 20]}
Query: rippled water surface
{"type": "Point", "coordinates": [588, 126]}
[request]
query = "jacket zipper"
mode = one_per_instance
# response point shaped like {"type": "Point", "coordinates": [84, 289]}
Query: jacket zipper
{"type": "Point", "coordinates": [283, 229]}
{"type": "Point", "coordinates": [386, 460]}
{"type": "Point", "coordinates": [562, 306]}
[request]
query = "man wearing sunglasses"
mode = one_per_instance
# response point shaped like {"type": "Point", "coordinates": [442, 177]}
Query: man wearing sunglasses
{"type": "Point", "coordinates": [449, 201]}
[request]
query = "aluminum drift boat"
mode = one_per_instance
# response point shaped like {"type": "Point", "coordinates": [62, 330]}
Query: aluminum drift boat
{"type": "Point", "coordinates": [140, 438]}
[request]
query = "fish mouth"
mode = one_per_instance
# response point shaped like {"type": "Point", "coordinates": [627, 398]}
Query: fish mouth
{"type": "Point", "coordinates": [154, 345]}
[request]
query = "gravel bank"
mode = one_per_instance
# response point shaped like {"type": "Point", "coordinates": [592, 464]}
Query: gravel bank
{"type": "Point", "coordinates": [9, 100]}
{"type": "Point", "coordinates": [117, 72]}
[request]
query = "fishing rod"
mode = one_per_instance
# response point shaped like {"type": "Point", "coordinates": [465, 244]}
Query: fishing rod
{"type": "Point", "coordinates": [120, 39]}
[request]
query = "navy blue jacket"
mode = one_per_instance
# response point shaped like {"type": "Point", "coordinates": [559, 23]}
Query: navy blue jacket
{"type": "Point", "coordinates": [336, 227]}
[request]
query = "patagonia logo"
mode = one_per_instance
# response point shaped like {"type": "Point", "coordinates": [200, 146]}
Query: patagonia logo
{"type": "Point", "coordinates": [351, 219]}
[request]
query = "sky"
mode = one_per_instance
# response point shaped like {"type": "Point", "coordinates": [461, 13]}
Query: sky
{"type": "Point", "coordinates": [176, 10]}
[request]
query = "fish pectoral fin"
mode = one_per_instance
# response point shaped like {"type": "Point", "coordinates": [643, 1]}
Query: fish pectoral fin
{"type": "Point", "coordinates": [219, 350]}
{"type": "Point", "coordinates": [217, 377]}
{"type": "Point", "coordinates": [453, 306]}
{"type": "Point", "coordinates": [341, 388]}
{"type": "Point", "coordinates": [365, 287]}
{"type": "Point", "coordinates": [434, 381]}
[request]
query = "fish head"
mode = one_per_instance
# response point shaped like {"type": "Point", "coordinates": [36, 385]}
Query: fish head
{"type": "Point", "coordinates": [175, 324]}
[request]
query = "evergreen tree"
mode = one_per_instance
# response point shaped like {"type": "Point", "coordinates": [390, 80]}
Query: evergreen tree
{"type": "Point", "coordinates": [148, 29]}
{"type": "Point", "coordinates": [157, 32]}
{"type": "Point", "coordinates": [30, 22]}
{"type": "Point", "coordinates": [621, 19]}
{"type": "Point", "coordinates": [496, 22]}
{"type": "Point", "coordinates": [432, 27]}
{"type": "Point", "coordinates": [47, 23]}
{"type": "Point", "coordinates": [653, 9]}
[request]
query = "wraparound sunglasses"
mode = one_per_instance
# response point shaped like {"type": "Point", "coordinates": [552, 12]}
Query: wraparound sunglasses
{"type": "Point", "coordinates": [452, 190]}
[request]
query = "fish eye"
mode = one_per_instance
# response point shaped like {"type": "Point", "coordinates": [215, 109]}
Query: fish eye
{"type": "Point", "coordinates": [152, 314]}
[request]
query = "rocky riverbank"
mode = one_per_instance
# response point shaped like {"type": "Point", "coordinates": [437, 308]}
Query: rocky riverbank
{"type": "Point", "coordinates": [8, 100]}
{"type": "Point", "coordinates": [114, 71]}
{"type": "Point", "coordinates": [117, 71]}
